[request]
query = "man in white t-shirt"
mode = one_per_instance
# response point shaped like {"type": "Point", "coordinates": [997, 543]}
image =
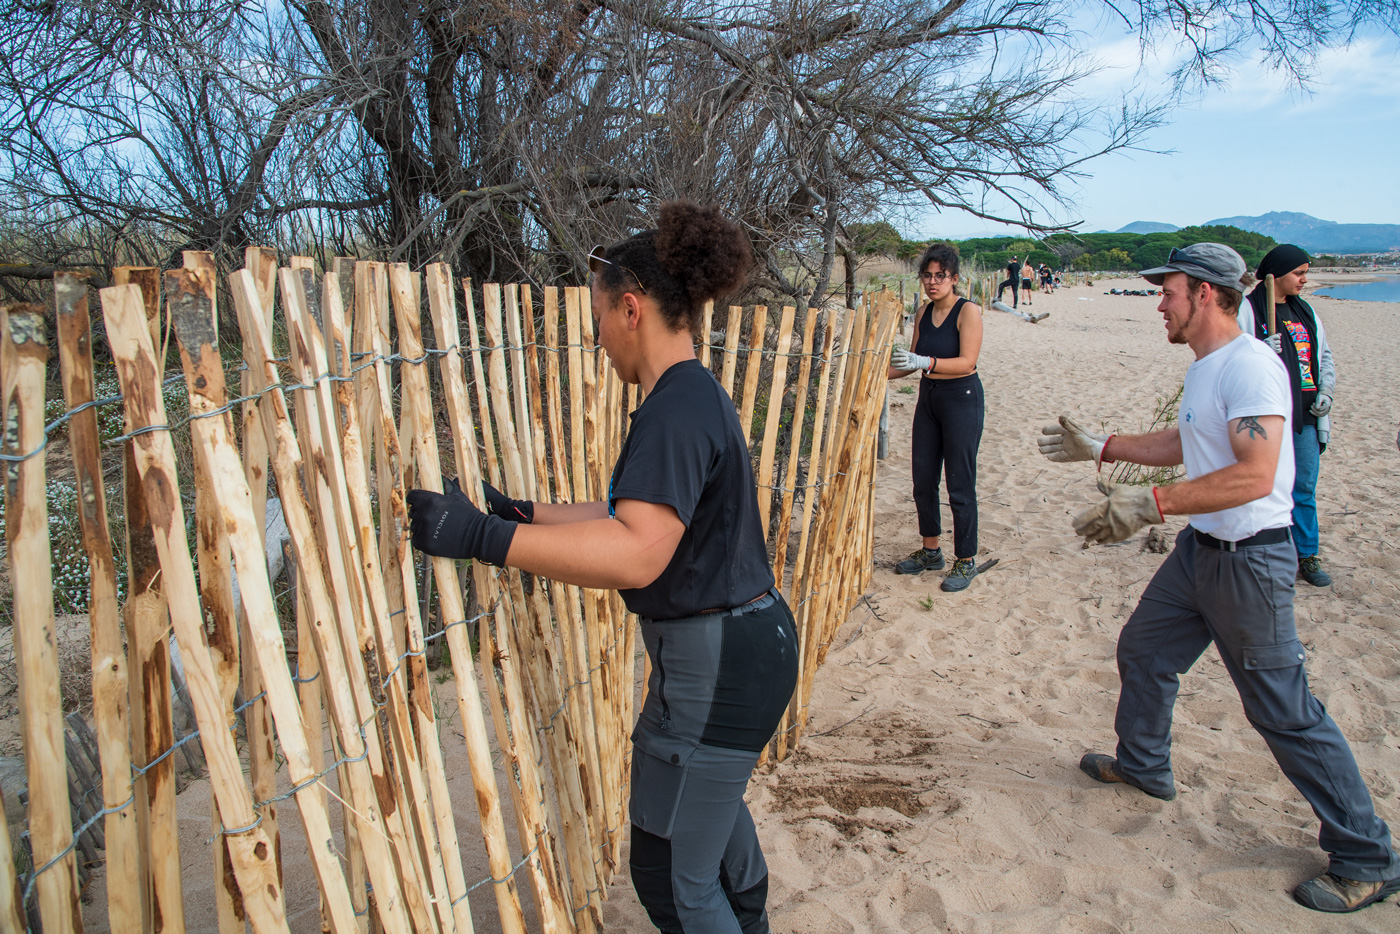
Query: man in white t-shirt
{"type": "Point", "coordinates": [1229, 580]}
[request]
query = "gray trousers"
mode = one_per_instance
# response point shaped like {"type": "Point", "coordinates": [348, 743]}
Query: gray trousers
{"type": "Point", "coordinates": [719, 685]}
{"type": "Point", "coordinates": [1243, 602]}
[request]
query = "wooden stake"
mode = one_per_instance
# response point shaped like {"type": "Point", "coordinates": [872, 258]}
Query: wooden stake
{"type": "Point", "coordinates": [22, 361]}
{"type": "Point", "coordinates": [11, 907]}
{"type": "Point", "coordinates": [146, 619]}
{"type": "Point", "coordinates": [261, 263]}
{"type": "Point", "coordinates": [752, 368]}
{"type": "Point", "coordinates": [731, 349]}
{"type": "Point", "coordinates": [775, 412]}
{"type": "Point", "coordinates": [339, 285]}
{"type": "Point", "coordinates": [706, 320]}
{"type": "Point", "coordinates": [804, 602]}
{"type": "Point", "coordinates": [221, 622]}
{"type": "Point", "coordinates": [804, 375]}
{"type": "Point", "coordinates": [574, 336]}
{"type": "Point", "coordinates": [483, 404]}
{"type": "Point", "coordinates": [516, 359]}
{"type": "Point", "coordinates": [109, 682]}
{"type": "Point", "coordinates": [250, 850]}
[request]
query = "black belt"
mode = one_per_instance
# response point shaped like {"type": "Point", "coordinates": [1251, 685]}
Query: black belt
{"type": "Point", "coordinates": [746, 607]}
{"type": "Point", "coordinates": [1266, 537]}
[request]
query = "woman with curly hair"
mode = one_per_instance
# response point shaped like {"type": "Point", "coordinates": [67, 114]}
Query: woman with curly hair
{"type": "Point", "coordinates": [680, 538]}
{"type": "Point", "coordinates": [948, 418]}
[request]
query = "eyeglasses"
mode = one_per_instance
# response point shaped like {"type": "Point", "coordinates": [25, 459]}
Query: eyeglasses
{"type": "Point", "coordinates": [596, 259]}
{"type": "Point", "coordinates": [935, 276]}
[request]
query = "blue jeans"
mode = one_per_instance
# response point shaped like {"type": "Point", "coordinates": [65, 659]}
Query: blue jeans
{"type": "Point", "coordinates": [1307, 456]}
{"type": "Point", "coordinates": [1243, 602]}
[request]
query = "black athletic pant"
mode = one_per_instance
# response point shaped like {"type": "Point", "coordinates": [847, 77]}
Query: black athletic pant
{"type": "Point", "coordinates": [1013, 282]}
{"type": "Point", "coordinates": [947, 432]}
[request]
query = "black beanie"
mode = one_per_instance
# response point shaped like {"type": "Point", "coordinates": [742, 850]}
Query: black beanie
{"type": "Point", "coordinates": [1282, 260]}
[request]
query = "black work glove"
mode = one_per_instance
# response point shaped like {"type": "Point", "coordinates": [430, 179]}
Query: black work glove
{"type": "Point", "coordinates": [511, 510]}
{"type": "Point", "coordinates": [448, 525]}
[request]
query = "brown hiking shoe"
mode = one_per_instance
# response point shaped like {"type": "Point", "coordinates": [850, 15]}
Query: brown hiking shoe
{"type": "Point", "coordinates": [1335, 894]}
{"type": "Point", "coordinates": [1105, 769]}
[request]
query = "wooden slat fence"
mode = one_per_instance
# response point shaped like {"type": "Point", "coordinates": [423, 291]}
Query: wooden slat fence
{"type": "Point", "coordinates": [343, 398]}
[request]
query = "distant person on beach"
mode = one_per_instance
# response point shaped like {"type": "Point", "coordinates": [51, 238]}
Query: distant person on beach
{"type": "Point", "coordinates": [1013, 279]}
{"type": "Point", "coordinates": [1229, 580]}
{"type": "Point", "coordinates": [947, 418]}
{"type": "Point", "coordinates": [1027, 280]}
{"type": "Point", "coordinates": [1301, 342]}
{"type": "Point", "coordinates": [1047, 283]}
{"type": "Point", "coordinates": [679, 538]}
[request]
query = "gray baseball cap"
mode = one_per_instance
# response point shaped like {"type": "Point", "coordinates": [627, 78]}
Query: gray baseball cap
{"type": "Point", "coordinates": [1215, 263]}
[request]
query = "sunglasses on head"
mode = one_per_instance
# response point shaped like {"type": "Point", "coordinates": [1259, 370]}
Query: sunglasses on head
{"type": "Point", "coordinates": [596, 259]}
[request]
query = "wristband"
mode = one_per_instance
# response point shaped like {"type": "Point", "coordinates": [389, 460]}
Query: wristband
{"type": "Point", "coordinates": [1158, 503]}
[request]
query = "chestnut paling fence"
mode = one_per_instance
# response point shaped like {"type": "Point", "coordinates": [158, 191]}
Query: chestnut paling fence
{"type": "Point", "coordinates": [320, 709]}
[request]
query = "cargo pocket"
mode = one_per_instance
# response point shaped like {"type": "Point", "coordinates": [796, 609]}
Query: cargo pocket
{"type": "Point", "coordinates": [1269, 657]}
{"type": "Point", "coordinates": [659, 766]}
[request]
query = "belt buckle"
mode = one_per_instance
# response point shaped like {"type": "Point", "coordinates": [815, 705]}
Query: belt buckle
{"type": "Point", "coordinates": [1229, 546]}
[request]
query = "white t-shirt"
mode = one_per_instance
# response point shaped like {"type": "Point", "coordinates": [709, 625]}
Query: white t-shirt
{"type": "Point", "coordinates": [1241, 379]}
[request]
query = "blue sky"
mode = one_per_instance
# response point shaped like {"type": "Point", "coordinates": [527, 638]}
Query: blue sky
{"type": "Point", "coordinates": [1251, 146]}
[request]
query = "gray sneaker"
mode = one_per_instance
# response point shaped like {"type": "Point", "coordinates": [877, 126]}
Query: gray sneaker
{"type": "Point", "coordinates": [964, 570]}
{"type": "Point", "coordinates": [925, 559]}
{"type": "Point", "coordinates": [1310, 570]}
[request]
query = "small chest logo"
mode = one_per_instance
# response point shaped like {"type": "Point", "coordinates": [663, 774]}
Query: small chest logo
{"type": "Point", "coordinates": [1189, 416]}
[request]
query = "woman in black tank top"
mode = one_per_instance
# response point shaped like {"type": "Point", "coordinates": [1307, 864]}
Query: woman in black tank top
{"type": "Point", "coordinates": [948, 419]}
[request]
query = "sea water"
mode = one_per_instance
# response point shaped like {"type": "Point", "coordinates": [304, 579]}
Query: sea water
{"type": "Point", "coordinates": [1385, 289]}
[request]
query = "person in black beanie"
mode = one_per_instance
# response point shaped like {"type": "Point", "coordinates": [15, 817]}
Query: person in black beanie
{"type": "Point", "coordinates": [1301, 341]}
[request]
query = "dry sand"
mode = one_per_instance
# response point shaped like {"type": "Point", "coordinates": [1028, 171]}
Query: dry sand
{"type": "Point", "coordinates": [938, 789]}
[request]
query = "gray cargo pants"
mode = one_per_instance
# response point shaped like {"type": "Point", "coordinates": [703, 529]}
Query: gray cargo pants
{"type": "Point", "coordinates": [719, 685]}
{"type": "Point", "coordinates": [1243, 602]}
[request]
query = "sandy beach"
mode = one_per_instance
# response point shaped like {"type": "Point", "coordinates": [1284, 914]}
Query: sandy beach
{"type": "Point", "coordinates": [938, 788]}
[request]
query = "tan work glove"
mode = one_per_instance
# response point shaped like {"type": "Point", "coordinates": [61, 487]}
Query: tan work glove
{"type": "Point", "coordinates": [1067, 442]}
{"type": "Point", "coordinates": [1126, 510]}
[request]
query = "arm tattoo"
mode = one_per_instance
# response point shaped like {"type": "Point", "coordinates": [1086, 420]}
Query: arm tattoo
{"type": "Point", "coordinates": [1251, 424]}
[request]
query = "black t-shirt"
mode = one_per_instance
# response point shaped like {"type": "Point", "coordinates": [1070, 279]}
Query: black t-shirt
{"type": "Point", "coordinates": [686, 449]}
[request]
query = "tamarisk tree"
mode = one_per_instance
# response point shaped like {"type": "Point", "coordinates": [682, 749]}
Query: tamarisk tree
{"type": "Point", "coordinates": [508, 138]}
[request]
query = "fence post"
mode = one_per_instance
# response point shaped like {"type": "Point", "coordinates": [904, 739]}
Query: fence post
{"type": "Point", "coordinates": [23, 355]}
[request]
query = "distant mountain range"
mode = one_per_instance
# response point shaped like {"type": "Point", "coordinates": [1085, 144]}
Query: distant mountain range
{"type": "Point", "coordinates": [1147, 227]}
{"type": "Point", "coordinates": [1312, 234]}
